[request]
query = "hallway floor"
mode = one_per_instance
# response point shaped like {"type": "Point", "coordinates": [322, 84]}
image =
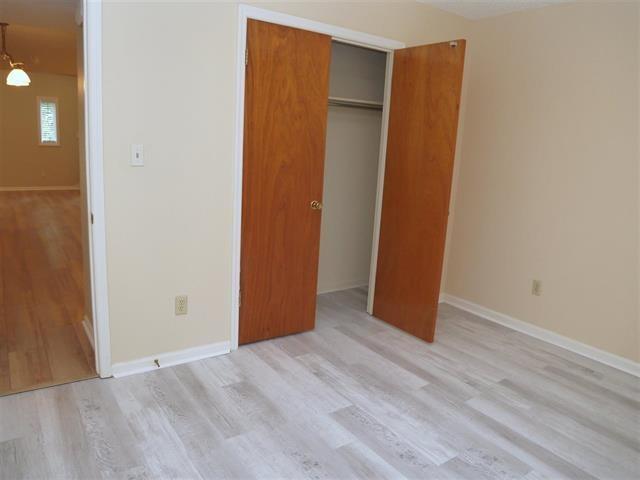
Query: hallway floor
{"type": "Point", "coordinates": [42, 339]}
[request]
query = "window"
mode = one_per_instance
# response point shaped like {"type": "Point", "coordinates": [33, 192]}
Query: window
{"type": "Point", "coordinates": [48, 120]}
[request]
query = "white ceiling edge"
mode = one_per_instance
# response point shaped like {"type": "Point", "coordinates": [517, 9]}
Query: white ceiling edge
{"type": "Point", "coordinates": [478, 9]}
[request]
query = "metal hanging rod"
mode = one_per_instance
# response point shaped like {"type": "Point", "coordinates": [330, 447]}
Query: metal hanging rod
{"type": "Point", "coordinates": [352, 102]}
{"type": "Point", "coordinates": [4, 55]}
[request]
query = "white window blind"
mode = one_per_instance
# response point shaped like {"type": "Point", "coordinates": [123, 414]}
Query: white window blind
{"type": "Point", "coordinates": [48, 121]}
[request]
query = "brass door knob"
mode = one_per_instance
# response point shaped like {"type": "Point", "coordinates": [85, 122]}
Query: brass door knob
{"type": "Point", "coordinates": [316, 205]}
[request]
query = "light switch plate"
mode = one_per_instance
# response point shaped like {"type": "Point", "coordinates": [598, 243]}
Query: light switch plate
{"type": "Point", "coordinates": [137, 155]}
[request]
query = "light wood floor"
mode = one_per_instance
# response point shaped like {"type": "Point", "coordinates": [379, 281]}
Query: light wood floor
{"type": "Point", "coordinates": [353, 399]}
{"type": "Point", "coordinates": [42, 341]}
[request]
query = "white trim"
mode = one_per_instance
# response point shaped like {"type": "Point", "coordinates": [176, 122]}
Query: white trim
{"type": "Point", "coordinates": [92, 32]}
{"type": "Point", "coordinates": [545, 335]}
{"type": "Point", "coordinates": [88, 330]}
{"type": "Point", "coordinates": [340, 34]}
{"type": "Point", "coordinates": [79, 13]}
{"type": "Point", "coordinates": [43, 188]}
{"type": "Point", "coordinates": [382, 159]}
{"type": "Point", "coordinates": [343, 286]}
{"type": "Point", "coordinates": [241, 44]}
{"type": "Point", "coordinates": [170, 359]}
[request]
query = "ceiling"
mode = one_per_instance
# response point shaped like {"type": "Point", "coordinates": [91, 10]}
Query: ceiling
{"type": "Point", "coordinates": [60, 14]}
{"type": "Point", "coordinates": [41, 34]}
{"type": "Point", "coordinates": [477, 9]}
{"type": "Point", "coordinates": [49, 14]}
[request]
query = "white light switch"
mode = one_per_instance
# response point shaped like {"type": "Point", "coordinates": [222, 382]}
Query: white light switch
{"type": "Point", "coordinates": [137, 155]}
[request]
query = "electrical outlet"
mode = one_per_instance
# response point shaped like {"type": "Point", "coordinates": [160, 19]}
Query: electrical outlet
{"type": "Point", "coordinates": [536, 288]}
{"type": "Point", "coordinates": [182, 303]}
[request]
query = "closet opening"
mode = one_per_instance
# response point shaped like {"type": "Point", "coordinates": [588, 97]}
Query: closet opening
{"type": "Point", "coordinates": [322, 124]}
{"type": "Point", "coordinates": [351, 186]}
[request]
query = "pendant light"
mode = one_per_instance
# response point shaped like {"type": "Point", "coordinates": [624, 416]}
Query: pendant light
{"type": "Point", "coordinates": [17, 76]}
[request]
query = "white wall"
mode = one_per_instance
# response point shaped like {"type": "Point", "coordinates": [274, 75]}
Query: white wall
{"type": "Point", "coordinates": [357, 72]}
{"type": "Point", "coordinates": [350, 169]}
{"type": "Point", "coordinates": [350, 177]}
{"type": "Point", "coordinates": [548, 185]}
{"type": "Point", "coordinates": [169, 224]}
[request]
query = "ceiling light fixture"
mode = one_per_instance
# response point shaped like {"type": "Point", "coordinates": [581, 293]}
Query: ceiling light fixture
{"type": "Point", "coordinates": [17, 76]}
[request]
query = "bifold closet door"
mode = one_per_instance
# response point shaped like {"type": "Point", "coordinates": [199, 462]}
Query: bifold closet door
{"type": "Point", "coordinates": [423, 123]}
{"type": "Point", "coordinates": [287, 86]}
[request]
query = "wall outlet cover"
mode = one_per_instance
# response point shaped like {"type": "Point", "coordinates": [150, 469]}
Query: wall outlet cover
{"type": "Point", "coordinates": [536, 288]}
{"type": "Point", "coordinates": [182, 304]}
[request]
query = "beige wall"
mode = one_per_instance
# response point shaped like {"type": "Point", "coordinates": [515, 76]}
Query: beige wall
{"type": "Point", "coordinates": [548, 184]}
{"type": "Point", "coordinates": [169, 224]}
{"type": "Point", "coordinates": [350, 169]}
{"type": "Point", "coordinates": [548, 169]}
{"type": "Point", "coordinates": [23, 162]}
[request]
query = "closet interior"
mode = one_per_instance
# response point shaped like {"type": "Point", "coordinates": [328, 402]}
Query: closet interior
{"type": "Point", "coordinates": [354, 124]}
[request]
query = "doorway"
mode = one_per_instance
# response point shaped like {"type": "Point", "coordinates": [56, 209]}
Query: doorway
{"type": "Point", "coordinates": [52, 309]}
{"type": "Point", "coordinates": [283, 100]}
{"type": "Point", "coordinates": [46, 305]}
{"type": "Point", "coordinates": [302, 283]}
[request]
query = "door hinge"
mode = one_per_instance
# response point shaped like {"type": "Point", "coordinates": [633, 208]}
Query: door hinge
{"type": "Point", "coordinates": [91, 218]}
{"type": "Point", "coordinates": [246, 56]}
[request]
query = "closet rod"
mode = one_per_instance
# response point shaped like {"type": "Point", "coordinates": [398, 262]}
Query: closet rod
{"type": "Point", "coordinates": [352, 102]}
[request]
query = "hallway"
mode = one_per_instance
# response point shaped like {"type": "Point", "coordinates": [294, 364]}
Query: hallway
{"type": "Point", "coordinates": [42, 339]}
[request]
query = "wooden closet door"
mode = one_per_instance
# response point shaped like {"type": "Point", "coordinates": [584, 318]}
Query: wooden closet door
{"type": "Point", "coordinates": [286, 95]}
{"type": "Point", "coordinates": [423, 124]}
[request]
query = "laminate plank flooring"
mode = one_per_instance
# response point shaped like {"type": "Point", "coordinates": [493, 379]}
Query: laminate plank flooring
{"type": "Point", "coordinates": [42, 340]}
{"type": "Point", "coordinates": [355, 398]}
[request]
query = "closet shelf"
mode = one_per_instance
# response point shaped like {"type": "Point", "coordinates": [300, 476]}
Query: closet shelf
{"type": "Point", "coordinates": [353, 102]}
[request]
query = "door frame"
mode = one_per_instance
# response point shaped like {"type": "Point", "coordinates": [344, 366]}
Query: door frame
{"type": "Point", "coordinates": [344, 35]}
{"type": "Point", "coordinates": [91, 18]}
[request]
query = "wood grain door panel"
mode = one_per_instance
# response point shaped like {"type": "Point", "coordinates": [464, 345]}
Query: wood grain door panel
{"type": "Point", "coordinates": [287, 86]}
{"type": "Point", "coordinates": [423, 123]}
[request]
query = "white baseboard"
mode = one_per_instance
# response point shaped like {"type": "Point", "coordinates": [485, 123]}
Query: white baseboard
{"type": "Point", "coordinates": [170, 359]}
{"type": "Point", "coordinates": [39, 189]}
{"type": "Point", "coordinates": [88, 329]}
{"type": "Point", "coordinates": [615, 361]}
{"type": "Point", "coordinates": [343, 286]}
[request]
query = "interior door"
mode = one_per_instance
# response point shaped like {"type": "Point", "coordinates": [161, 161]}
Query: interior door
{"type": "Point", "coordinates": [286, 98]}
{"type": "Point", "coordinates": [423, 124]}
